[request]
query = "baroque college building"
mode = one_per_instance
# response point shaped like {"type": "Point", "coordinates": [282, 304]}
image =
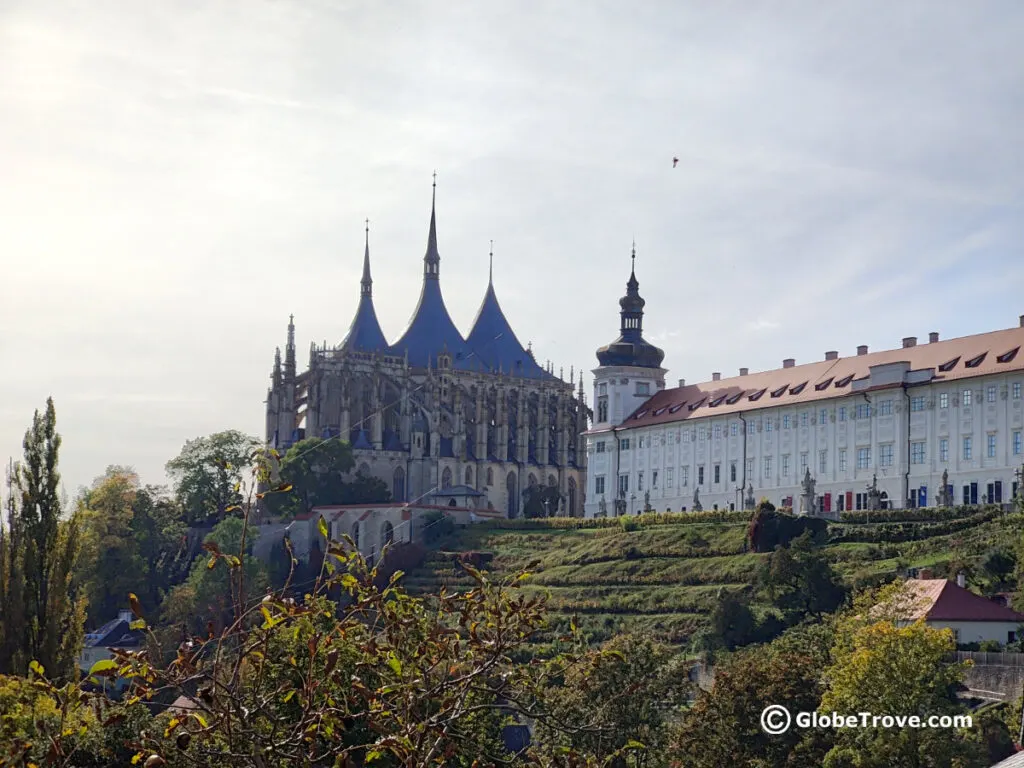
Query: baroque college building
{"type": "Point", "coordinates": [436, 415]}
{"type": "Point", "coordinates": [871, 430]}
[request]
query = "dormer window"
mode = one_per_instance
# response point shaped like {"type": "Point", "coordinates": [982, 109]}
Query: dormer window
{"type": "Point", "coordinates": [757, 395]}
{"type": "Point", "coordinates": [949, 365]}
{"type": "Point", "coordinates": [780, 391]}
{"type": "Point", "coordinates": [735, 398]}
{"type": "Point", "coordinates": [798, 389]}
{"type": "Point", "coordinates": [823, 385]}
{"type": "Point", "coordinates": [675, 408]}
{"type": "Point", "coordinates": [844, 381]}
{"type": "Point", "coordinates": [974, 362]}
{"type": "Point", "coordinates": [1006, 357]}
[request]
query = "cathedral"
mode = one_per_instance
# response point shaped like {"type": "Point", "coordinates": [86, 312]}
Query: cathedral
{"type": "Point", "coordinates": [436, 415]}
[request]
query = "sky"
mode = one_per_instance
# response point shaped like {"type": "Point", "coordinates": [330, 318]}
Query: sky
{"type": "Point", "coordinates": [176, 178]}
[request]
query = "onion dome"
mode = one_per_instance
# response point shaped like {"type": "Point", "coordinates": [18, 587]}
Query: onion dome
{"type": "Point", "coordinates": [630, 348]}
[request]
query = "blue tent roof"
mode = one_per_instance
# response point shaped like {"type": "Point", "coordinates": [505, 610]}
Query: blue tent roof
{"type": "Point", "coordinates": [431, 330]}
{"type": "Point", "coordinates": [495, 344]}
{"type": "Point", "coordinates": [365, 334]}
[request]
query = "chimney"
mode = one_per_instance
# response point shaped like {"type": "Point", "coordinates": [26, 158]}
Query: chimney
{"type": "Point", "coordinates": [682, 383]}
{"type": "Point", "coordinates": [909, 341]}
{"type": "Point", "coordinates": [744, 371]}
{"type": "Point", "coordinates": [924, 573]}
{"type": "Point", "coordinates": [789, 362]}
{"type": "Point", "coordinates": [716, 376]}
{"type": "Point", "coordinates": [933, 337]}
{"type": "Point", "coordinates": [832, 355]}
{"type": "Point", "coordinates": [961, 581]}
{"type": "Point", "coordinates": [1022, 321]}
{"type": "Point", "coordinates": [862, 349]}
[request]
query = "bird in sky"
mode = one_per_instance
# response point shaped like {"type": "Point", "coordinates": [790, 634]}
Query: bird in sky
{"type": "Point", "coordinates": [675, 161]}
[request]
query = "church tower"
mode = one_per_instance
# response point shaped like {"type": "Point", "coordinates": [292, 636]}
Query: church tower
{"type": "Point", "coordinates": [630, 368]}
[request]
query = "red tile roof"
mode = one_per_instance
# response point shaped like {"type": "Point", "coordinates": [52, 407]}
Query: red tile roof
{"type": "Point", "coordinates": [942, 600]}
{"type": "Point", "coordinates": [962, 358]}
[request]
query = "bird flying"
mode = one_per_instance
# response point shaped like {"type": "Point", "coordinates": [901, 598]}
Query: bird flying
{"type": "Point", "coordinates": [675, 161]}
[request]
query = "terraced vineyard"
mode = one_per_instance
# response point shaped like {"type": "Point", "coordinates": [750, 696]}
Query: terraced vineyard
{"type": "Point", "coordinates": [664, 577]}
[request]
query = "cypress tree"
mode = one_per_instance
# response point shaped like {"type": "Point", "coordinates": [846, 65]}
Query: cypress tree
{"type": "Point", "coordinates": [37, 562]}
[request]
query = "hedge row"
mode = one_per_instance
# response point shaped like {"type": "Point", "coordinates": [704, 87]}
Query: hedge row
{"type": "Point", "coordinates": [892, 533]}
{"type": "Point", "coordinates": [628, 521]}
{"type": "Point", "coordinates": [922, 514]}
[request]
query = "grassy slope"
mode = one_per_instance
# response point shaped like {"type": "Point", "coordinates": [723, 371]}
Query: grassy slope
{"type": "Point", "coordinates": [665, 579]}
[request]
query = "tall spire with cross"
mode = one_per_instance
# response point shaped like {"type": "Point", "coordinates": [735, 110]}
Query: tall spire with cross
{"type": "Point", "coordinates": [364, 334]}
{"type": "Point", "coordinates": [432, 259]}
{"type": "Point", "coordinates": [367, 281]}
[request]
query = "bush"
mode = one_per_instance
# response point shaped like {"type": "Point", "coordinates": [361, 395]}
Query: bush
{"type": "Point", "coordinates": [770, 529]}
{"type": "Point", "coordinates": [892, 533]}
{"type": "Point", "coordinates": [437, 526]}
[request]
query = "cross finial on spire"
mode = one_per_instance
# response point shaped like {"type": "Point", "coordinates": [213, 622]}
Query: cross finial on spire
{"type": "Point", "coordinates": [490, 267]}
{"type": "Point", "coordinates": [632, 257]}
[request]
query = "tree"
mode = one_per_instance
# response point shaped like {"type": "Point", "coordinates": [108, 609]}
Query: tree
{"type": "Point", "coordinates": [133, 541]}
{"type": "Point", "coordinates": [541, 501]}
{"type": "Point", "coordinates": [883, 665]}
{"type": "Point", "coordinates": [209, 593]}
{"type": "Point", "coordinates": [619, 700]}
{"type": "Point", "coordinates": [46, 619]}
{"type": "Point", "coordinates": [315, 470]}
{"type": "Point", "coordinates": [724, 725]}
{"type": "Point", "coordinates": [732, 624]}
{"type": "Point", "coordinates": [208, 472]}
{"type": "Point", "coordinates": [998, 567]}
{"type": "Point", "coordinates": [800, 580]}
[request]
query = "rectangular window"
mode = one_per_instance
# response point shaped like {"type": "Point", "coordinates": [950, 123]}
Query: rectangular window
{"type": "Point", "coordinates": [751, 428]}
{"type": "Point", "coordinates": [785, 421]}
{"type": "Point", "coordinates": [803, 462]}
{"type": "Point", "coordinates": [602, 409]}
{"type": "Point", "coordinates": [885, 455]}
{"type": "Point", "coordinates": [990, 394]}
{"type": "Point", "coordinates": [803, 419]}
{"type": "Point", "coordinates": [684, 477]}
{"type": "Point", "coordinates": [822, 461]}
{"type": "Point", "coordinates": [718, 431]}
{"type": "Point", "coordinates": [785, 465]}
{"type": "Point", "coordinates": [823, 416]}
{"type": "Point", "coordinates": [599, 485]}
{"type": "Point", "coordinates": [654, 479]}
{"type": "Point", "coordinates": [600, 446]}
{"type": "Point", "coordinates": [623, 485]}
{"type": "Point", "coordinates": [767, 425]}
{"type": "Point", "coordinates": [943, 449]}
{"type": "Point", "coordinates": [750, 468]}
{"type": "Point", "coordinates": [718, 473]}
{"type": "Point", "coordinates": [917, 453]}
{"type": "Point", "coordinates": [917, 403]}
{"type": "Point", "coordinates": [643, 388]}
{"type": "Point", "coordinates": [991, 447]}
{"type": "Point", "coordinates": [602, 389]}
{"type": "Point", "coordinates": [863, 458]}
{"type": "Point", "coordinates": [734, 429]}
{"type": "Point", "coordinates": [669, 477]}
{"type": "Point", "coordinates": [732, 471]}
{"type": "Point", "coordinates": [842, 413]}
{"type": "Point", "coordinates": [702, 433]}
{"type": "Point", "coordinates": [767, 467]}
{"type": "Point", "coordinates": [1017, 447]}
{"type": "Point", "coordinates": [1016, 390]}
{"type": "Point", "coordinates": [639, 481]}
{"type": "Point", "coordinates": [863, 411]}
{"type": "Point", "coordinates": [944, 400]}
{"type": "Point", "coordinates": [641, 442]}
{"type": "Point", "coordinates": [700, 475]}
{"type": "Point", "coordinates": [885, 408]}
{"type": "Point", "coordinates": [842, 459]}
{"type": "Point", "coordinates": [624, 444]}
{"type": "Point", "coordinates": [967, 447]}
{"type": "Point", "coordinates": [966, 399]}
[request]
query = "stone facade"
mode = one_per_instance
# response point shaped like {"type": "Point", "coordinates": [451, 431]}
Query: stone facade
{"type": "Point", "coordinates": [435, 410]}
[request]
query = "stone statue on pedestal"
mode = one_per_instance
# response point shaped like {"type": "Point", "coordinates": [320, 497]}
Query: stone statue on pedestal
{"type": "Point", "coordinates": [808, 501]}
{"type": "Point", "coordinates": [874, 496]}
{"type": "Point", "coordinates": [748, 502]}
{"type": "Point", "coordinates": [602, 507]}
{"type": "Point", "coordinates": [647, 501]}
{"type": "Point", "coordinates": [696, 501]}
{"type": "Point", "coordinates": [945, 497]}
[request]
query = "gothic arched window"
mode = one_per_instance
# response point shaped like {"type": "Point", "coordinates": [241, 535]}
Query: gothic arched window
{"type": "Point", "coordinates": [511, 487]}
{"type": "Point", "coordinates": [532, 480]}
{"type": "Point", "coordinates": [446, 478]}
{"type": "Point", "coordinates": [387, 534]}
{"type": "Point", "coordinates": [469, 476]}
{"type": "Point", "coordinates": [398, 485]}
{"type": "Point", "coordinates": [490, 476]}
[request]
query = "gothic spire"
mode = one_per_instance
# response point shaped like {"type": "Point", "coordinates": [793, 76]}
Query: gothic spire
{"type": "Point", "coordinates": [367, 281]}
{"type": "Point", "coordinates": [289, 351]}
{"type": "Point", "coordinates": [432, 260]}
